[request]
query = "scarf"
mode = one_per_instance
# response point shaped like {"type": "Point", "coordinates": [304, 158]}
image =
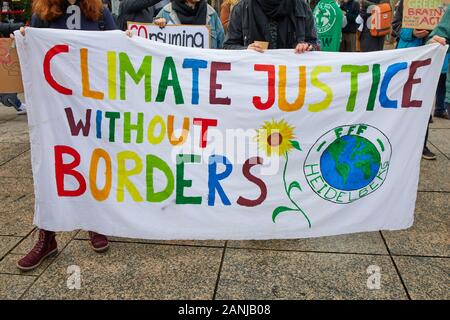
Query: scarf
{"type": "Point", "coordinates": [281, 11]}
{"type": "Point", "coordinates": [187, 15]}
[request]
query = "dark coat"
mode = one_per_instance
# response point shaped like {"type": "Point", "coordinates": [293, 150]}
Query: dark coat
{"type": "Point", "coordinates": [239, 34]}
{"type": "Point", "coordinates": [136, 11]}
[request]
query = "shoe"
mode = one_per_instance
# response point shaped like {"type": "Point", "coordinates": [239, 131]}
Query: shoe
{"type": "Point", "coordinates": [427, 154]}
{"type": "Point", "coordinates": [22, 109]}
{"type": "Point", "coordinates": [44, 248]}
{"type": "Point", "coordinates": [99, 242]}
{"type": "Point", "coordinates": [443, 115]}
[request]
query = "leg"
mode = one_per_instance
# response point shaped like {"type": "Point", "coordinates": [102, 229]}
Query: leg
{"type": "Point", "coordinates": [439, 110]}
{"type": "Point", "coordinates": [426, 153]}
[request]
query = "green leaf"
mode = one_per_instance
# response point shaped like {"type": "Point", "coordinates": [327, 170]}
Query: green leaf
{"type": "Point", "coordinates": [294, 184]}
{"type": "Point", "coordinates": [279, 210]}
{"type": "Point", "coordinates": [295, 144]}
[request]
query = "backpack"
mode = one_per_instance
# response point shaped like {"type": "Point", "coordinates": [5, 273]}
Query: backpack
{"type": "Point", "coordinates": [45, 24]}
{"type": "Point", "coordinates": [381, 20]}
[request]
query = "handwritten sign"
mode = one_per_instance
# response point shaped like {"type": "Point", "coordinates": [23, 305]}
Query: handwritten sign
{"type": "Point", "coordinates": [10, 75]}
{"type": "Point", "coordinates": [179, 35]}
{"type": "Point", "coordinates": [148, 140]}
{"type": "Point", "coordinates": [422, 14]}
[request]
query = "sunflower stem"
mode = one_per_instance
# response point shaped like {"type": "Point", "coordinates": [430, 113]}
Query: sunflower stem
{"type": "Point", "coordinates": [288, 193]}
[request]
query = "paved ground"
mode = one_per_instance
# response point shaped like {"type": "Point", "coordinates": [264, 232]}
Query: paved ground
{"type": "Point", "coordinates": [415, 264]}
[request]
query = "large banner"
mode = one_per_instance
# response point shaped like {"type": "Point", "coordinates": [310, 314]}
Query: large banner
{"type": "Point", "coordinates": [135, 138]}
{"type": "Point", "coordinates": [419, 14]}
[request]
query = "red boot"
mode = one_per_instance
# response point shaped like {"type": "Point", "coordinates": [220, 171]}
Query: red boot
{"type": "Point", "coordinates": [99, 242]}
{"type": "Point", "coordinates": [45, 247]}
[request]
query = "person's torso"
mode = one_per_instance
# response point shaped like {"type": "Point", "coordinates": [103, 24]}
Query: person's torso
{"type": "Point", "coordinates": [294, 37]}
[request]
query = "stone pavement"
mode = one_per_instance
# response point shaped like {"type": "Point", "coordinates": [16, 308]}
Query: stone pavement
{"type": "Point", "coordinates": [415, 264]}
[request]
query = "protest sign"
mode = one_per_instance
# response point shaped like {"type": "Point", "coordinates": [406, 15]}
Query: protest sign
{"type": "Point", "coordinates": [148, 140]}
{"type": "Point", "coordinates": [10, 76]}
{"type": "Point", "coordinates": [422, 14]}
{"type": "Point", "coordinates": [179, 35]}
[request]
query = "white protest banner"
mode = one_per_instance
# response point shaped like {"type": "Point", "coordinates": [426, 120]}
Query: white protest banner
{"type": "Point", "coordinates": [179, 35]}
{"type": "Point", "coordinates": [141, 139]}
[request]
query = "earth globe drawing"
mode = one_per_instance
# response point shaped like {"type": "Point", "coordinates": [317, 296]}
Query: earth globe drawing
{"type": "Point", "coordinates": [350, 163]}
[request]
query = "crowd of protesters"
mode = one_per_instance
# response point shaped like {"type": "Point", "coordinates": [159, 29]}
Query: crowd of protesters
{"type": "Point", "coordinates": [241, 24]}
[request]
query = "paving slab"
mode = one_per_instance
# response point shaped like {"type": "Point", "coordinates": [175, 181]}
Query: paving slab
{"type": "Point", "coordinates": [261, 274]}
{"type": "Point", "coordinates": [7, 113]}
{"type": "Point", "coordinates": [14, 132]}
{"type": "Point", "coordinates": [7, 243]}
{"type": "Point", "coordinates": [440, 139]}
{"type": "Point", "coordinates": [434, 173]}
{"type": "Point", "coordinates": [429, 235]}
{"type": "Point", "coordinates": [16, 223]}
{"type": "Point", "coordinates": [13, 286]}
{"type": "Point", "coordinates": [369, 242]}
{"type": "Point", "coordinates": [16, 186]}
{"type": "Point", "coordinates": [19, 167]}
{"type": "Point", "coordinates": [10, 151]}
{"type": "Point", "coordinates": [9, 265]}
{"type": "Point", "coordinates": [425, 278]}
{"type": "Point", "coordinates": [439, 123]}
{"type": "Point", "coordinates": [132, 271]}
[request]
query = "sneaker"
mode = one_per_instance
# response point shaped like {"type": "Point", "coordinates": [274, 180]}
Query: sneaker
{"type": "Point", "coordinates": [443, 115]}
{"type": "Point", "coordinates": [427, 154]}
{"type": "Point", "coordinates": [22, 109]}
{"type": "Point", "coordinates": [44, 248]}
{"type": "Point", "coordinates": [99, 242]}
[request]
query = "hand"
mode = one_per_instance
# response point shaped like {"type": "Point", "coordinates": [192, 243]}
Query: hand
{"type": "Point", "coordinates": [420, 33]}
{"type": "Point", "coordinates": [303, 47]}
{"type": "Point", "coordinates": [438, 39]}
{"type": "Point", "coordinates": [160, 22]}
{"type": "Point", "coordinates": [129, 33]}
{"type": "Point", "coordinates": [256, 47]}
{"type": "Point", "coordinates": [22, 31]}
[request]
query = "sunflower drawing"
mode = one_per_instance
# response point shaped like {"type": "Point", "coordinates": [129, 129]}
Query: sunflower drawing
{"type": "Point", "coordinates": [278, 138]}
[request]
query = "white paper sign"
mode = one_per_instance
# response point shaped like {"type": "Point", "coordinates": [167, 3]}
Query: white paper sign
{"type": "Point", "coordinates": [192, 36]}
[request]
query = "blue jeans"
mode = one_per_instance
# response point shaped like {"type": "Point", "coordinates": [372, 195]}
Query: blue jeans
{"type": "Point", "coordinates": [440, 95]}
{"type": "Point", "coordinates": [10, 100]}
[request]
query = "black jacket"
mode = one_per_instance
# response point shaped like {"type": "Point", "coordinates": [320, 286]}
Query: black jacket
{"type": "Point", "coordinates": [136, 11]}
{"type": "Point", "coordinates": [397, 21]}
{"type": "Point", "coordinates": [352, 10]}
{"type": "Point", "coordinates": [239, 35]}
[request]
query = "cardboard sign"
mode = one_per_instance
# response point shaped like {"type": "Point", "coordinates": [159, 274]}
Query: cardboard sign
{"type": "Point", "coordinates": [10, 75]}
{"type": "Point", "coordinates": [422, 14]}
{"type": "Point", "coordinates": [176, 34]}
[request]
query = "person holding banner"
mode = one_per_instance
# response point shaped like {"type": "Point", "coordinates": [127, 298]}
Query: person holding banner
{"type": "Point", "coordinates": [72, 15]}
{"type": "Point", "coordinates": [193, 12]}
{"type": "Point", "coordinates": [441, 34]}
{"type": "Point", "coordinates": [272, 24]}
